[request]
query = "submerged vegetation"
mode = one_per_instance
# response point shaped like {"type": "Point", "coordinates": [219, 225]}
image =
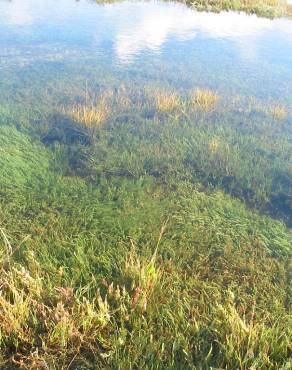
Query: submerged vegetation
{"type": "Point", "coordinates": [167, 101]}
{"type": "Point", "coordinates": [120, 246]}
{"type": "Point", "coordinates": [145, 213]}
{"type": "Point", "coordinates": [278, 112]}
{"type": "Point", "coordinates": [89, 116]}
{"type": "Point", "coordinates": [205, 99]}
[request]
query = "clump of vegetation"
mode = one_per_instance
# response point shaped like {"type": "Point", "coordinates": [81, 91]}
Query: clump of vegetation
{"type": "Point", "coordinates": [275, 110]}
{"type": "Point", "coordinates": [205, 99]}
{"type": "Point", "coordinates": [22, 159]}
{"type": "Point", "coordinates": [214, 145]}
{"type": "Point", "coordinates": [166, 101]}
{"type": "Point", "coordinates": [278, 112]}
{"type": "Point", "coordinates": [91, 115]}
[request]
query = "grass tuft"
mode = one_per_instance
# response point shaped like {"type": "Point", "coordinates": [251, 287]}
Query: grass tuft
{"type": "Point", "coordinates": [167, 101]}
{"type": "Point", "coordinates": [278, 112]}
{"type": "Point", "coordinates": [92, 116]}
{"type": "Point", "coordinates": [205, 99]}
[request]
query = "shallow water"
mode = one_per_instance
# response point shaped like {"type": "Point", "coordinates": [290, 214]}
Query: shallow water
{"type": "Point", "coordinates": [52, 45]}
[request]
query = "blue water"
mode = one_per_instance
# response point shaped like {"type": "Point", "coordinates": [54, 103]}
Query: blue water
{"type": "Point", "coordinates": [48, 44]}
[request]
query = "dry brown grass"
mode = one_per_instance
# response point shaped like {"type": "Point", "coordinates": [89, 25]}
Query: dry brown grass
{"type": "Point", "coordinates": [90, 116]}
{"type": "Point", "coordinates": [127, 98]}
{"type": "Point", "coordinates": [93, 112]}
{"type": "Point", "coordinates": [167, 101]}
{"type": "Point", "coordinates": [205, 99]}
{"type": "Point", "coordinates": [277, 111]}
{"type": "Point", "coordinates": [214, 145]}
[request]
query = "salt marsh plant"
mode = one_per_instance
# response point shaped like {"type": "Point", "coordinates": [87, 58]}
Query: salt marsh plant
{"type": "Point", "coordinates": [166, 101]}
{"type": "Point", "coordinates": [214, 145]}
{"type": "Point", "coordinates": [205, 99]}
{"type": "Point", "coordinates": [277, 111]}
{"type": "Point", "coordinates": [143, 276]}
{"type": "Point", "coordinates": [90, 115]}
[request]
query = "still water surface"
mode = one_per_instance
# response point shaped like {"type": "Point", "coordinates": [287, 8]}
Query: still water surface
{"type": "Point", "coordinates": [43, 42]}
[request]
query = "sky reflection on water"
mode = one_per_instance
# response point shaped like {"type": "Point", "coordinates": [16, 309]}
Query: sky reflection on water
{"type": "Point", "coordinates": [252, 52]}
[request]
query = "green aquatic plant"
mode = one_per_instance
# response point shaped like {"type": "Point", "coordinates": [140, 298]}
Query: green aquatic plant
{"type": "Point", "coordinates": [22, 159]}
{"type": "Point", "coordinates": [181, 147]}
{"type": "Point", "coordinates": [143, 224]}
{"type": "Point", "coordinates": [123, 248]}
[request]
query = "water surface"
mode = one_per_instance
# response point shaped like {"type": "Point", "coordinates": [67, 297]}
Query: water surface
{"type": "Point", "coordinates": [46, 45]}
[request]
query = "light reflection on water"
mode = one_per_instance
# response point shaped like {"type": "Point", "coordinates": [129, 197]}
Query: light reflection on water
{"type": "Point", "coordinates": [228, 51]}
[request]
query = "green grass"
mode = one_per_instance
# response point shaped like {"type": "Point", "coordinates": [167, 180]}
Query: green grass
{"type": "Point", "coordinates": [125, 275]}
{"type": "Point", "coordinates": [126, 247]}
{"type": "Point", "coordinates": [266, 8]}
{"type": "Point", "coordinates": [21, 159]}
